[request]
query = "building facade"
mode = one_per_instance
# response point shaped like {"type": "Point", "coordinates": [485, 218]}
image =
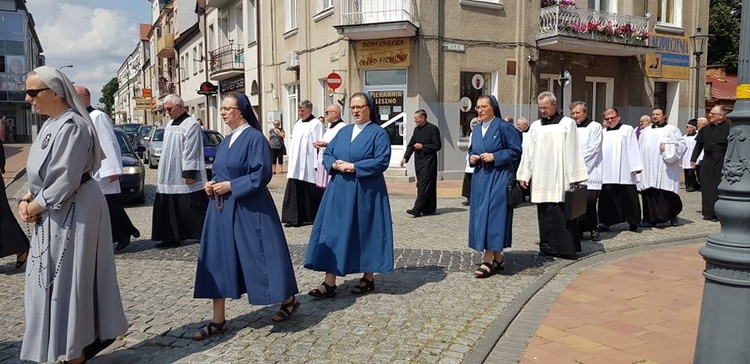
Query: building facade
{"type": "Point", "coordinates": [20, 52]}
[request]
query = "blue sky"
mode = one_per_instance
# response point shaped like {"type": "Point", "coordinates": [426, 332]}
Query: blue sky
{"type": "Point", "coordinates": [94, 36]}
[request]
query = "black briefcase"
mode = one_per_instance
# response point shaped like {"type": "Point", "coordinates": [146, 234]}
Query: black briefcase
{"type": "Point", "coordinates": [575, 202]}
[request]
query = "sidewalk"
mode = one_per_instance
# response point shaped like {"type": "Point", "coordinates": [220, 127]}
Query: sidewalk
{"type": "Point", "coordinates": [16, 155]}
{"type": "Point", "coordinates": [642, 309]}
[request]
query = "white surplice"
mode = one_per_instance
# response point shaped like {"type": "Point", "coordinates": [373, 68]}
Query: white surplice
{"type": "Point", "coordinates": [302, 153]}
{"type": "Point", "coordinates": [590, 138]}
{"type": "Point", "coordinates": [552, 158]}
{"type": "Point", "coordinates": [690, 144]}
{"type": "Point", "coordinates": [112, 162]}
{"type": "Point", "coordinates": [182, 151]}
{"type": "Point", "coordinates": [661, 170]}
{"type": "Point", "coordinates": [621, 157]}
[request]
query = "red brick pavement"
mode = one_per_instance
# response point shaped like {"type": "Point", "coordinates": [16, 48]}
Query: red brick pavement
{"type": "Point", "coordinates": [643, 309]}
{"type": "Point", "coordinates": [16, 155]}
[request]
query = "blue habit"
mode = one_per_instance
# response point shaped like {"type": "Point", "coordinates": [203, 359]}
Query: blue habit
{"type": "Point", "coordinates": [353, 230]}
{"type": "Point", "coordinates": [490, 219]}
{"type": "Point", "coordinates": [243, 248]}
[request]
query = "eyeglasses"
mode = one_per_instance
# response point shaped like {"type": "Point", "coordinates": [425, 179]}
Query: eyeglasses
{"type": "Point", "coordinates": [610, 118]}
{"type": "Point", "coordinates": [35, 92]}
{"type": "Point", "coordinates": [715, 113]}
{"type": "Point", "coordinates": [357, 107]}
{"type": "Point", "coordinates": [329, 112]}
{"type": "Point", "coordinates": [480, 107]}
{"type": "Point", "coordinates": [229, 108]}
{"type": "Point", "coordinates": [168, 109]}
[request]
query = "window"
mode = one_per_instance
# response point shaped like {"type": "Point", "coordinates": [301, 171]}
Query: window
{"type": "Point", "coordinates": [211, 37]}
{"type": "Point", "coordinates": [599, 95]}
{"type": "Point", "coordinates": [668, 13]}
{"type": "Point", "coordinates": [324, 5]}
{"type": "Point", "coordinates": [473, 85]}
{"type": "Point", "coordinates": [548, 82]}
{"type": "Point", "coordinates": [326, 95]}
{"type": "Point", "coordinates": [252, 21]}
{"type": "Point", "coordinates": [199, 57]}
{"type": "Point", "coordinates": [195, 56]}
{"type": "Point", "coordinates": [292, 100]}
{"type": "Point", "coordinates": [604, 5]}
{"type": "Point", "coordinates": [291, 15]}
{"type": "Point", "coordinates": [489, 4]}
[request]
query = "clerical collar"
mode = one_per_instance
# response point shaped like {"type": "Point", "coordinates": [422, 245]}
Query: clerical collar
{"type": "Point", "coordinates": [616, 127]}
{"type": "Point", "coordinates": [554, 119]}
{"type": "Point", "coordinates": [178, 120]}
{"type": "Point", "coordinates": [308, 118]}
{"type": "Point", "coordinates": [691, 134]}
{"type": "Point", "coordinates": [90, 108]}
{"type": "Point", "coordinates": [584, 123]}
{"type": "Point", "coordinates": [333, 124]}
{"type": "Point", "coordinates": [659, 126]}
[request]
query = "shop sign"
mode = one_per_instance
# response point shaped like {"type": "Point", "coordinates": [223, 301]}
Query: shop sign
{"type": "Point", "coordinates": [232, 84]}
{"type": "Point", "coordinates": [383, 53]}
{"type": "Point", "coordinates": [143, 103]}
{"type": "Point", "coordinates": [146, 93]}
{"type": "Point", "coordinates": [672, 57]}
{"type": "Point", "coordinates": [207, 88]}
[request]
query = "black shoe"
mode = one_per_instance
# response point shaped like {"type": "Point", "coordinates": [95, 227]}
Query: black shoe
{"type": "Point", "coordinates": [414, 213]}
{"type": "Point", "coordinates": [123, 243]}
{"type": "Point", "coordinates": [465, 203]}
{"type": "Point", "coordinates": [594, 235]}
{"type": "Point", "coordinates": [568, 256]}
{"type": "Point", "coordinates": [90, 351]}
{"type": "Point", "coordinates": [136, 234]}
{"type": "Point", "coordinates": [633, 228]}
{"type": "Point", "coordinates": [429, 213]}
{"type": "Point", "coordinates": [602, 227]}
{"type": "Point", "coordinates": [168, 244]}
{"type": "Point", "coordinates": [675, 221]}
{"type": "Point", "coordinates": [289, 224]}
{"type": "Point", "coordinates": [543, 253]}
{"type": "Point", "coordinates": [645, 225]}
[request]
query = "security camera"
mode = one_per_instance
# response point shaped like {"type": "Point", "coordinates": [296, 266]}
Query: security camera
{"type": "Point", "coordinates": [531, 58]}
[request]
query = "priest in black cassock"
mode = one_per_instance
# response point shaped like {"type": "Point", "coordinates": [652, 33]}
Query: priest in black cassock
{"type": "Point", "coordinates": [424, 144]}
{"type": "Point", "coordinates": [712, 141]}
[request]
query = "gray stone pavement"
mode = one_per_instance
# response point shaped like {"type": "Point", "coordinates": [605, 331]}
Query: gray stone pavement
{"type": "Point", "coordinates": [430, 309]}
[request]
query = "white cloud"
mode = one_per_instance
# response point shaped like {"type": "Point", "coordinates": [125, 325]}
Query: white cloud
{"type": "Point", "coordinates": [93, 39]}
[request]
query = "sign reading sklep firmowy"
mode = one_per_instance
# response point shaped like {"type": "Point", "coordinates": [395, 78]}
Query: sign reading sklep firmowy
{"type": "Point", "coordinates": [383, 53]}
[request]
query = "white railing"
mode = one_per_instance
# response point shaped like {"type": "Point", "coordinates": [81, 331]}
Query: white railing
{"type": "Point", "coordinates": [401, 126]}
{"type": "Point", "coordinates": [561, 20]}
{"type": "Point", "coordinates": [354, 12]}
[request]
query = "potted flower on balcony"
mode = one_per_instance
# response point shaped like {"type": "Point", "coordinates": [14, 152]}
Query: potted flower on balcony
{"type": "Point", "coordinates": [562, 3]}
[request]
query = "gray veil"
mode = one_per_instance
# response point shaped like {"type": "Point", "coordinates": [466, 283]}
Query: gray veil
{"type": "Point", "coordinates": [61, 85]}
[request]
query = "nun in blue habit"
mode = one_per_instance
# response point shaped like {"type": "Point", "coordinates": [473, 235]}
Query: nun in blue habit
{"type": "Point", "coordinates": [353, 230]}
{"type": "Point", "coordinates": [495, 147]}
{"type": "Point", "coordinates": [243, 248]}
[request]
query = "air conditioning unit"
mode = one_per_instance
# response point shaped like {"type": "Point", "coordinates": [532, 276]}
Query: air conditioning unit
{"type": "Point", "coordinates": [292, 60]}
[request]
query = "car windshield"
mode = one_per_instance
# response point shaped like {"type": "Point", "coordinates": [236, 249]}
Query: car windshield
{"type": "Point", "coordinates": [125, 147]}
{"type": "Point", "coordinates": [145, 130]}
{"type": "Point", "coordinates": [158, 135]}
{"type": "Point", "coordinates": [130, 128]}
{"type": "Point", "coordinates": [212, 139]}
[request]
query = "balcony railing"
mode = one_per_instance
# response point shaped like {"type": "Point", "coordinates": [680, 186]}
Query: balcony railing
{"type": "Point", "coordinates": [590, 24]}
{"type": "Point", "coordinates": [355, 12]}
{"type": "Point", "coordinates": [230, 57]}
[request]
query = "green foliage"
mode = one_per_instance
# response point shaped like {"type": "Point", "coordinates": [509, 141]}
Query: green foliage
{"type": "Point", "coordinates": [108, 96]}
{"type": "Point", "coordinates": [724, 26]}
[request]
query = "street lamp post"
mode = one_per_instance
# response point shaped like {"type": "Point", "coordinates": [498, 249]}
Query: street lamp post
{"type": "Point", "coordinates": [724, 325]}
{"type": "Point", "coordinates": [699, 41]}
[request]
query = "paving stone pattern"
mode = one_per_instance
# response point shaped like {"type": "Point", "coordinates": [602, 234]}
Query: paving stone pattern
{"type": "Point", "coordinates": [429, 309]}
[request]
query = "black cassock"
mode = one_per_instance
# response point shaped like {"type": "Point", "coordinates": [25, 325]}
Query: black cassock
{"type": "Point", "coordinates": [712, 141]}
{"type": "Point", "coordinates": [12, 238]}
{"type": "Point", "coordinates": [425, 164]}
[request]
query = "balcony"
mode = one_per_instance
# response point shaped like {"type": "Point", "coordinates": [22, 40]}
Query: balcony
{"type": "Point", "coordinates": [588, 31]}
{"type": "Point", "coordinates": [217, 3]}
{"type": "Point", "coordinates": [377, 19]}
{"type": "Point", "coordinates": [165, 46]}
{"type": "Point", "coordinates": [226, 62]}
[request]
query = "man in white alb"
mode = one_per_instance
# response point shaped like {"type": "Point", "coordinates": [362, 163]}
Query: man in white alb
{"type": "Point", "coordinates": [302, 197]}
{"type": "Point", "coordinates": [590, 137]}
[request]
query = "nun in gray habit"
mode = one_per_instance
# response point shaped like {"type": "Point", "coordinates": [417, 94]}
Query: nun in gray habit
{"type": "Point", "coordinates": [72, 299]}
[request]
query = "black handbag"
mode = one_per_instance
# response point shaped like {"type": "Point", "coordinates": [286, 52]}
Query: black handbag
{"type": "Point", "coordinates": [575, 202]}
{"type": "Point", "coordinates": [515, 195]}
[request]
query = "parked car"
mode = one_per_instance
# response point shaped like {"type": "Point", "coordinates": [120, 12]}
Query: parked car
{"type": "Point", "coordinates": [211, 141]}
{"type": "Point", "coordinates": [155, 141]}
{"type": "Point", "coordinates": [132, 180]}
{"type": "Point", "coordinates": [131, 130]}
{"type": "Point", "coordinates": [143, 135]}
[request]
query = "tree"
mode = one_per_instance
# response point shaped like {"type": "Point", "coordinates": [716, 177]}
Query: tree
{"type": "Point", "coordinates": [108, 96]}
{"type": "Point", "coordinates": [724, 26]}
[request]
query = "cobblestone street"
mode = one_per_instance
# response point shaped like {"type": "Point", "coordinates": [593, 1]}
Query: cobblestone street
{"type": "Point", "coordinates": [429, 310]}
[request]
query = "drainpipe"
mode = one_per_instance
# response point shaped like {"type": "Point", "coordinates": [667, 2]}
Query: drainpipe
{"type": "Point", "coordinates": [441, 76]}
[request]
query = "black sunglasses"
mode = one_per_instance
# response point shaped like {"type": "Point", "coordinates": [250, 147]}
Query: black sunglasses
{"type": "Point", "coordinates": [34, 92]}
